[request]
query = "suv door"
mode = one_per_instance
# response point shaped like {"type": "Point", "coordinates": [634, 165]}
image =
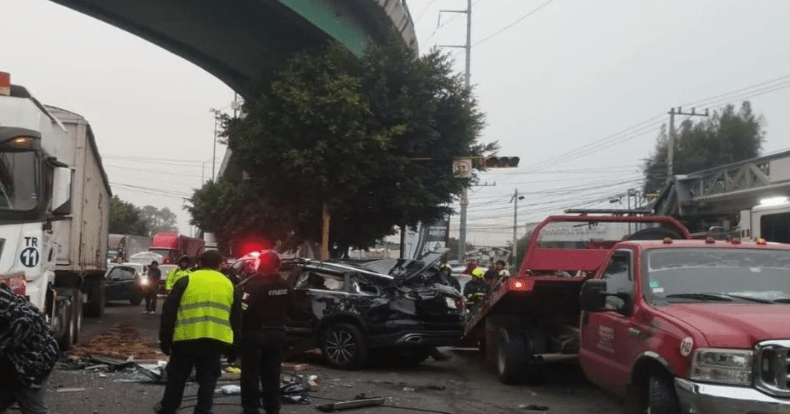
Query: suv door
{"type": "Point", "coordinates": [607, 335]}
{"type": "Point", "coordinates": [120, 282]}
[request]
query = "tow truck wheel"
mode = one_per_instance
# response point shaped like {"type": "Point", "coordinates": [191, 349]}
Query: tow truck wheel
{"type": "Point", "coordinates": [510, 356]}
{"type": "Point", "coordinates": [661, 395]}
{"type": "Point", "coordinates": [343, 346]}
{"type": "Point", "coordinates": [76, 307]}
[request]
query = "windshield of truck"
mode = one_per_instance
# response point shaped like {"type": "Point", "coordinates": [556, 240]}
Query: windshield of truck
{"type": "Point", "coordinates": [19, 181]}
{"type": "Point", "coordinates": [717, 274]}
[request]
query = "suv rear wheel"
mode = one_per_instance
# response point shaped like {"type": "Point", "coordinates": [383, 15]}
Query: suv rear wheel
{"type": "Point", "coordinates": [343, 346]}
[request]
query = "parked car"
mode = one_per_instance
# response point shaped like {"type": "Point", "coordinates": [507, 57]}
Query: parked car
{"type": "Point", "coordinates": [125, 282]}
{"type": "Point", "coordinates": [353, 310]}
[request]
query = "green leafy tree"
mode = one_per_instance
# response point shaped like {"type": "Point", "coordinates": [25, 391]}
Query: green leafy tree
{"type": "Point", "coordinates": [725, 137]}
{"type": "Point", "coordinates": [365, 141]}
{"type": "Point", "coordinates": [126, 218]}
{"type": "Point", "coordinates": [159, 220]}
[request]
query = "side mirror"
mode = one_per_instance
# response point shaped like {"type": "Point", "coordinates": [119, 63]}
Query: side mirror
{"type": "Point", "coordinates": [593, 295]}
{"type": "Point", "coordinates": [61, 191]}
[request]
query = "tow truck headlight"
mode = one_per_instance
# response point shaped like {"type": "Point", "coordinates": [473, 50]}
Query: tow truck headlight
{"type": "Point", "coordinates": [724, 366]}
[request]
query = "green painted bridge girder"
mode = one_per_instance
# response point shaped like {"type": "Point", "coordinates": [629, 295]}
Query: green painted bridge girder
{"type": "Point", "coordinates": [239, 41]}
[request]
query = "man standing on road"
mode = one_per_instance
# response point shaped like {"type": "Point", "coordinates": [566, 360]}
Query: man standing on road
{"type": "Point", "coordinates": [152, 290]}
{"type": "Point", "coordinates": [201, 320]}
{"type": "Point", "coordinates": [28, 352]}
{"type": "Point", "coordinates": [266, 297]}
{"type": "Point", "coordinates": [177, 273]}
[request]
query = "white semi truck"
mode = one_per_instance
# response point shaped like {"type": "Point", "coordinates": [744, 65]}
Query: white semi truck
{"type": "Point", "coordinates": [54, 210]}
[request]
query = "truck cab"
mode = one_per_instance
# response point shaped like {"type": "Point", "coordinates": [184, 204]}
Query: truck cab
{"type": "Point", "coordinates": [690, 326]}
{"type": "Point", "coordinates": [53, 210]}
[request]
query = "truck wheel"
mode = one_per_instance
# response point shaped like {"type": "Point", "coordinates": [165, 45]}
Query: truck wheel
{"type": "Point", "coordinates": [66, 316]}
{"type": "Point", "coordinates": [343, 346]}
{"type": "Point", "coordinates": [96, 301]}
{"type": "Point", "coordinates": [510, 356]}
{"type": "Point", "coordinates": [661, 395]}
{"type": "Point", "coordinates": [76, 307]}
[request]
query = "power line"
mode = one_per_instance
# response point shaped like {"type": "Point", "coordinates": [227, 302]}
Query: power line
{"type": "Point", "coordinates": [515, 22]}
{"type": "Point", "coordinates": [424, 10]}
{"type": "Point", "coordinates": [701, 101]}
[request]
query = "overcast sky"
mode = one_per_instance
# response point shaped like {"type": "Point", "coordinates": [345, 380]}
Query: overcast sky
{"type": "Point", "coordinates": [570, 75]}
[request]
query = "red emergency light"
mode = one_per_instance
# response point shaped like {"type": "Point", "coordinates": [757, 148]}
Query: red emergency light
{"type": "Point", "coordinates": [521, 283]}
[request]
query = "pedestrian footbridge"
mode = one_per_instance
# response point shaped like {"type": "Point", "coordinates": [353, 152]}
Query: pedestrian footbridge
{"type": "Point", "coordinates": [727, 189]}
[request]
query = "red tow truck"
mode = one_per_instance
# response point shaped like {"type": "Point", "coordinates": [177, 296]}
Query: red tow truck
{"type": "Point", "coordinates": [668, 324]}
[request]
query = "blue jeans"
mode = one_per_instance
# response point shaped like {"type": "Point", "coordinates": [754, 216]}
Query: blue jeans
{"type": "Point", "coordinates": [30, 400]}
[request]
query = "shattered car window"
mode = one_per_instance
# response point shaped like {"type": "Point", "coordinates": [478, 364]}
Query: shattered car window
{"type": "Point", "coordinates": [364, 287]}
{"type": "Point", "coordinates": [312, 280]}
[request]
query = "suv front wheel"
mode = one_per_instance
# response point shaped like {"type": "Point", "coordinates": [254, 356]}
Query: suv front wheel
{"type": "Point", "coordinates": [343, 346]}
{"type": "Point", "coordinates": [661, 395]}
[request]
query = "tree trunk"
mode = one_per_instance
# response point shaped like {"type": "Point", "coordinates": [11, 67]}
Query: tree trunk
{"type": "Point", "coordinates": [326, 216]}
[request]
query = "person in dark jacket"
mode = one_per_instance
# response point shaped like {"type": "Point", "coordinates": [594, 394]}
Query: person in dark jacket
{"type": "Point", "coordinates": [152, 290]}
{"type": "Point", "coordinates": [28, 352]}
{"type": "Point", "coordinates": [201, 320]}
{"type": "Point", "coordinates": [266, 297]}
{"type": "Point", "coordinates": [476, 289]}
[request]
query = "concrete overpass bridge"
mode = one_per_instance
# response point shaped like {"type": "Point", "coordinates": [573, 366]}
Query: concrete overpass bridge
{"type": "Point", "coordinates": [239, 40]}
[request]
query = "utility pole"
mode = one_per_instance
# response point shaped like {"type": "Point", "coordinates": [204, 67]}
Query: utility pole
{"type": "Point", "coordinates": [671, 146]}
{"type": "Point", "coordinates": [515, 199]}
{"type": "Point", "coordinates": [214, 153]}
{"type": "Point", "coordinates": [468, 47]}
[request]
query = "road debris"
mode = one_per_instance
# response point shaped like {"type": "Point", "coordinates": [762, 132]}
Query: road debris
{"type": "Point", "coordinates": [228, 390]}
{"type": "Point", "coordinates": [123, 340]}
{"type": "Point", "coordinates": [358, 402]}
{"type": "Point", "coordinates": [534, 407]}
{"type": "Point", "coordinates": [71, 389]}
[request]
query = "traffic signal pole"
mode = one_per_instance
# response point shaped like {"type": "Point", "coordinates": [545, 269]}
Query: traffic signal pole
{"type": "Point", "coordinates": [464, 196]}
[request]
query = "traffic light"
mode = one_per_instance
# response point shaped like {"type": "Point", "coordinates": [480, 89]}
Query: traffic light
{"type": "Point", "coordinates": [501, 162]}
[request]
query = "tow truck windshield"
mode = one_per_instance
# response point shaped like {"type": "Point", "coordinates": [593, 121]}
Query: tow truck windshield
{"type": "Point", "coordinates": [718, 275]}
{"type": "Point", "coordinates": [19, 181]}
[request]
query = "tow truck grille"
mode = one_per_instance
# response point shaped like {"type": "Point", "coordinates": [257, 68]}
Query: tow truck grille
{"type": "Point", "coordinates": [772, 366]}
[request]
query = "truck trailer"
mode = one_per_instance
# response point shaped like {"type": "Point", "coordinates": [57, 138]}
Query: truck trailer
{"type": "Point", "coordinates": [173, 245]}
{"type": "Point", "coordinates": [54, 210]}
{"type": "Point", "coordinates": [123, 246]}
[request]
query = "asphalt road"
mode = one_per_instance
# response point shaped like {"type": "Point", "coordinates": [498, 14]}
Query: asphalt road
{"type": "Point", "coordinates": [463, 384]}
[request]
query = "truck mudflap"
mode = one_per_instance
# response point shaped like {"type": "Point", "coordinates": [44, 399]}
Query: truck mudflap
{"type": "Point", "coordinates": [16, 282]}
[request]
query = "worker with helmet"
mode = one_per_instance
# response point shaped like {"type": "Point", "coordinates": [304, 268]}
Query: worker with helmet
{"type": "Point", "coordinates": [266, 298]}
{"type": "Point", "coordinates": [447, 273]}
{"type": "Point", "coordinates": [476, 289]}
{"type": "Point", "coordinates": [177, 273]}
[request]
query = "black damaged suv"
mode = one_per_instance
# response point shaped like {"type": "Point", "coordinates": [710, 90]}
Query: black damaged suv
{"type": "Point", "coordinates": [353, 310]}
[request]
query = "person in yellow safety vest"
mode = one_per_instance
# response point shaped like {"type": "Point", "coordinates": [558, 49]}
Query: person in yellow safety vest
{"type": "Point", "coordinates": [201, 320]}
{"type": "Point", "coordinates": [177, 273]}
